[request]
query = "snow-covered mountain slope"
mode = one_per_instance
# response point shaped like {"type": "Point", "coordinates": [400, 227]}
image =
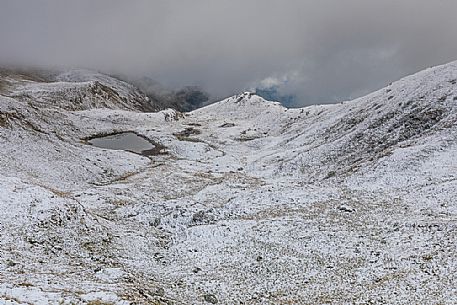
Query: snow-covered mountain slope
{"type": "Point", "coordinates": [247, 202]}
{"type": "Point", "coordinates": [73, 90]}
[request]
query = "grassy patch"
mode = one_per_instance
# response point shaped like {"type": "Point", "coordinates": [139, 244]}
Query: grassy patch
{"type": "Point", "coordinates": [2, 86]}
{"type": "Point", "coordinates": [188, 139]}
{"type": "Point", "coordinates": [185, 135]}
{"type": "Point", "coordinates": [98, 302]}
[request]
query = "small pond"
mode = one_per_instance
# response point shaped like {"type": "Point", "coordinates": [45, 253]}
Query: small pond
{"type": "Point", "coordinates": [128, 141]}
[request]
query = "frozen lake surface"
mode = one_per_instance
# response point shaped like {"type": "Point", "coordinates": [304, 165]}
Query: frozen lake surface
{"type": "Point", "coordinates": [128, 141]}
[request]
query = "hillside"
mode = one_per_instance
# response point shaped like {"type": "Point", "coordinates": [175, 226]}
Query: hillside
{"type": "Point", "coordinates": [243, 202]}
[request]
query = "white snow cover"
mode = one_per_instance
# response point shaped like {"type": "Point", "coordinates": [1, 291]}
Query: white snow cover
{"type": "Point", "coordinates": [248, 202]}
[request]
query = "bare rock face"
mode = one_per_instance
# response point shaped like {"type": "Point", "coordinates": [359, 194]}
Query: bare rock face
{"type": "Point", "coordinates": [247, 201]}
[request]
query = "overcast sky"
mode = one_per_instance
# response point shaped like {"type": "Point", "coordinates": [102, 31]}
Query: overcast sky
{"type": "Point", "coordinates": [319, 50]}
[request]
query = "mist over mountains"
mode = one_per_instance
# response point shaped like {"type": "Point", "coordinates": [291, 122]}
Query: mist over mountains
{"type": "Point", "coordinates": [184, 99]}
{"type": "Point", "coordinates": [318, 52]}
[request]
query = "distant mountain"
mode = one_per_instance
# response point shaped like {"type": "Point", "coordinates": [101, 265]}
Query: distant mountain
{"type": "Point", "coordinates": [273, 94]}
{"type": "Point", "coordinates": [185, 99]}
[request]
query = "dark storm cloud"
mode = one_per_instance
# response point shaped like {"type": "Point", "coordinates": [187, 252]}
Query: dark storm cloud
{"type": "Point", "coordinates": [321, 51]}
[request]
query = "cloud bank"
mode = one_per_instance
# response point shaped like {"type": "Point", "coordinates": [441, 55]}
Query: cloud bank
{"type": "Point", "coordinates": [320, 51]}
